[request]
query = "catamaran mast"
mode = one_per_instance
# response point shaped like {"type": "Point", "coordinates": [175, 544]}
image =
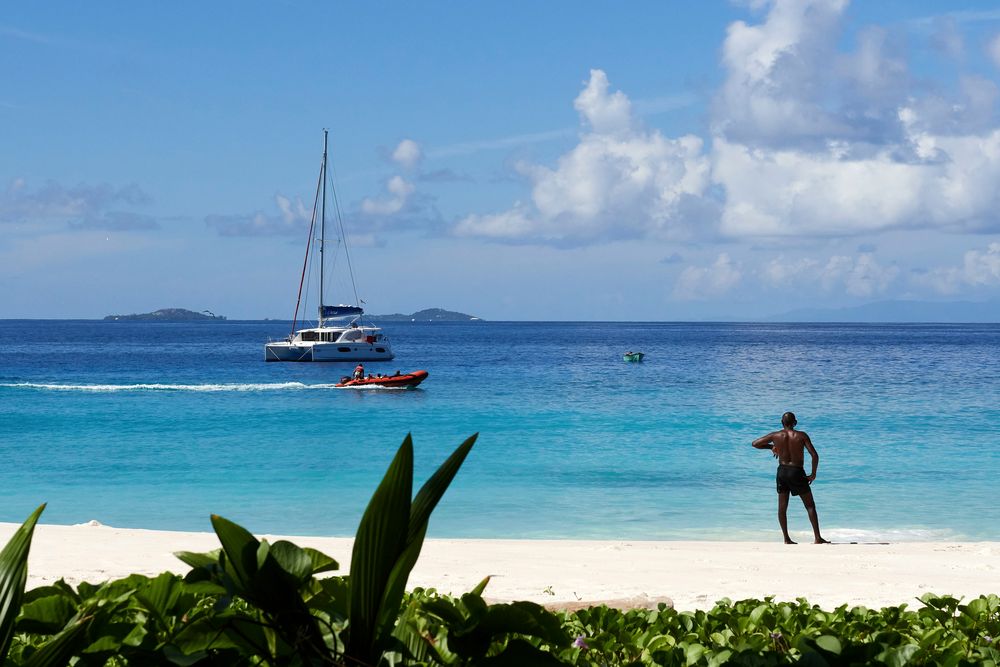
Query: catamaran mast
{"type": "Point", "coordinates": [322, 232]}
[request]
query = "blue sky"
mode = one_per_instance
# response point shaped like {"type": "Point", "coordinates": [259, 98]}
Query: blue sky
{"type": "Point", "coordinates": [580, 161]}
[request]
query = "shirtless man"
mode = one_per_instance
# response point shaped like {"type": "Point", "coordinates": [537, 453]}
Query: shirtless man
{"type": "Point", "coordinates": [788, 445]}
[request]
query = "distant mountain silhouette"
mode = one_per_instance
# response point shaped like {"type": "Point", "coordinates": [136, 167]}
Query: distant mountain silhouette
{"type": "Point", "coordinates": [168, 315]}
{"type": "Point", "coordinates": [899, 311]}
{"type": "Point", "coordinates": [426, 315]}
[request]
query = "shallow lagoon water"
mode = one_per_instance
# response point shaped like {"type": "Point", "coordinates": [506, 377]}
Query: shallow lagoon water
{"type": "Point", "coordinates": [158, 425]}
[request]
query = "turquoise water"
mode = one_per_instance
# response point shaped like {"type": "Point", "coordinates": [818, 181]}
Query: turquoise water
{"type": "Point", "coordinates": [159, 425]}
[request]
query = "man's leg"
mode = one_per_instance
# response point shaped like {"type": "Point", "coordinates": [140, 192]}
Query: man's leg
{"type": "Point", "coordinates": [807, 500]}
{"type": "Point", "coordinates": [783, 515]}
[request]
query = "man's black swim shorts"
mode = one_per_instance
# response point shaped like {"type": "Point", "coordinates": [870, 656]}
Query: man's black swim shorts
{"type": "Point", "coordinates": [792, 478]}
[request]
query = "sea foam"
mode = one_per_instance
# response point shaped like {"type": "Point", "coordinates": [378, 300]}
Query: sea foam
{"type": "Point", "coordinates": [107, 388]}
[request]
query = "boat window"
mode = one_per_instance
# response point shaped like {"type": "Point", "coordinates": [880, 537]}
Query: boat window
{"type": "Point", "coordinates": [309, 336]}
{"type": "Point", "coordinates": [343, 349]}
{"type": "Point", "coordinates": [380, 349]}
{"type": "Point", "coordinates": [351, 334]}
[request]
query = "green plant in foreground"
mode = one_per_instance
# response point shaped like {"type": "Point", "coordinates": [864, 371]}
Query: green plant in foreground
{"type": "Point", "coordinates": [346, 620]}
{"type": "Point", "coordinates": [13, 576]}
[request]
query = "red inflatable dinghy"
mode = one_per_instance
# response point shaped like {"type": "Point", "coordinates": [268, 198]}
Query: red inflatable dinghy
{"type": "Point", "coordinates": [404, 381]}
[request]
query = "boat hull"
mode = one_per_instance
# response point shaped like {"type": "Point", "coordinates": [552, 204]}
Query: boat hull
{"type": "Point", "coordinates": [321, 351]}
{"type": "Point", "coordinates": [633, 356]}
{"type": "Point", "coordinates": [406, 381]}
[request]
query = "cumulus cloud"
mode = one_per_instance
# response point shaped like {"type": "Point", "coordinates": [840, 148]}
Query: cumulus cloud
{"type": "Point", "coordinates": [400, 208]}
{"type": "Point", "coordinates": [863, 153]}
{"type": "Point", "coordinates": [398, 191]}
{"type": "Point", "coordinates": [620, 181]}
{"type": "Point", "coordinates": [784, 272]}
{"type": "Point", "coordinates": [778, 73]}
{"type": "Point", "coordinates": [700, 282]}
{"type": "Point", "coordinates": [808, 139]}
{"type": "Point", "coordinates": [407, 154]}
{"type": "Point", "coordinates": [78, 207]}
{"type": "Point", "coordinates": [860, 276]}
{"type": "Point", "coordinates": [293, 219]}
{"type": "Point", "coordinates": [978, 269]}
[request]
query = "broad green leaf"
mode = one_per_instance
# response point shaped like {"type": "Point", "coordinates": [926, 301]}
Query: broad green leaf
{"type": "Point", "coordinates": [62, 647]}
{"type": "Point", "coordinates": [395, 587]}
{"type": "Point", "coordinates": [339, 591]}
{"type": "Point", "coordinates": [47, 615]}
{"type": "Point", "coordinates": [410, 631]}
{"type": "Point", "coordinates": [320, 561]}
{"type": "Point", "coordinates": [293, 560]}
{"type": "Point", "coordinates": [720, 658]}
{"type": "Point", "coordinates": [977, 606]}
{"type": "Point", "coordinates": [176, 657]}
{"type": "Point", "coordinates": [829, 643]}
{"type": "Point", "coordinates": [433, 489]}
{"type": "Point", "coordinates": [199, 560]}
{"type": "Point", "coordinates": [475, 607]}
{"type": "Point", "coordinates": [160, 595]}
{"type": "Point", "coordinates": [520, 653]}
{"type": "Point", "coordinates": [380, 539]}
{"type": "Point", "coordinates": [693, 653]}
{"type": "Point", "coordinates": [524, 618]}
{"type": "Point", "coordinates": [443, 609]}
{"type": "Point", "coordinates": [240, 548]}
{"type": "Point", "coordinates": [13, 576]}
{"type": "Point", "coordinates": [901, 656]}
{"type": "Point", "coordinates": [59, 588]}
{"type": "Point", "coordinates": [423, 505]}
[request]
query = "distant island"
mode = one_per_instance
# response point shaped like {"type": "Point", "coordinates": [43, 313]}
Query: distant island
{"type": "Point", "coordinates": [427, 315]}
{"type": "Point", "coordinates": [167, 315]}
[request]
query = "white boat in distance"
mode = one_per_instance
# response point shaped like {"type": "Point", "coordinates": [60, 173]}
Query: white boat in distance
{"type": "Point", "coordinates": [340, 334]}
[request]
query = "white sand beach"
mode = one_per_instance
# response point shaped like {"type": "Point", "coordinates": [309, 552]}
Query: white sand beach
{"type": "Point", "coordinates": [692, 574]}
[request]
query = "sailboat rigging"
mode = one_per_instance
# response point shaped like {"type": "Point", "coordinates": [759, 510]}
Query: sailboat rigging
{"type": "Point", "coordinates": [340, 334]}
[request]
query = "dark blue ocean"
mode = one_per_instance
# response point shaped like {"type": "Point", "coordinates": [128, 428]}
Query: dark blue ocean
{"type": "Point", "coordinates": [158, 425]}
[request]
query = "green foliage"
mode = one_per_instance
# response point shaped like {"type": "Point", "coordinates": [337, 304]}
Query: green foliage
{"type": "Point", "coordinates": [13, 576]}
{"type": "Point", "coordinates": [386, 547]}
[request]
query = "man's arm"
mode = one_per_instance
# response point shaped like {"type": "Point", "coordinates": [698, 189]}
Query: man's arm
{"type": "Point", "coordinates": [815, 457]}
{"type": "Point", "coordinates": [764, 442]}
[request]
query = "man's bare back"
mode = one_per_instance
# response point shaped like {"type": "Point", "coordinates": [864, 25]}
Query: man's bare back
{"type": "Point", "coordinates": [789, 447]}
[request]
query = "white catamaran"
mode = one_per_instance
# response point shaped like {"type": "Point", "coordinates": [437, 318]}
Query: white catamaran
{"type": "Point", "coordinates": [340, 334]}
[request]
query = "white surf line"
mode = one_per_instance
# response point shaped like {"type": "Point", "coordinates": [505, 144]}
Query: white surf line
{"type": "Point", "coordinates": [107, 388]}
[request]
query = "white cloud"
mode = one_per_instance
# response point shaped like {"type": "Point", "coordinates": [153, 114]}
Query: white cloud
{"type": "Point", "coordinates": [604, 113]}
{"type": "Point", "coordinates": [979, 269]}
{"type": "Point", "coordinates": [620, 181]}
{"type": "Point", "coordinates": [815, 142]}
{"type": "Point", "coordinates": [80, 207]}
{"type": "Point", "coordinates": [860, 276]}
{"type": "Point", "coordinates": [399, 192]}
{"type": "Point", "coordinates": [700, 282]}
{"type": "Point", "coordinates": [408, 154]}
{"type": "Point", "coordinates": [784, 272]}
{"type": "Point", "coordinates": [809, 139]}
{"type": "Point", "coordinates": [293, 219]}
{"type": "Point", "coordinates": [777, 72]}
